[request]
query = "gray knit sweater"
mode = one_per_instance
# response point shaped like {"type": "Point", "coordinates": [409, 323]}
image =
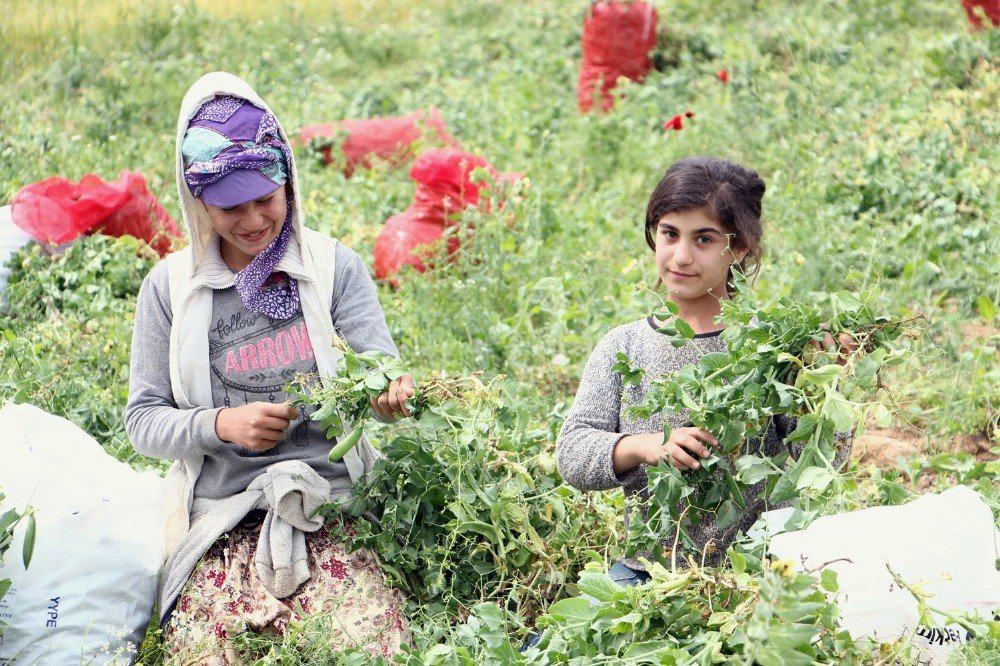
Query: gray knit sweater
{"type": "Point", "coordinates": [598, 420]}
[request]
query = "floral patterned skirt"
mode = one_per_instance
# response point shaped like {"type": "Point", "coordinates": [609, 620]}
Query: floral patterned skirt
{"type": "Point", "coordinates": [224, 598]}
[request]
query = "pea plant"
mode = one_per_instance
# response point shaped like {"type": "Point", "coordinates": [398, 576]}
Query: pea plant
{"type": "Point", "coordinates": [8, 521]}
{"type": "Point", "coordinates": [451, 506]}
{"type": "Point", "coordinates": [770, 368]}
{"type": "Point", "coordinates": [344, 398]}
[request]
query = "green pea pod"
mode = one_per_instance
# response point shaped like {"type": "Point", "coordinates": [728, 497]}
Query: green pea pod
{"type": "Point", "coordinates": [734, 489]}
{"type": "Point", "coordinates": [346, 444]}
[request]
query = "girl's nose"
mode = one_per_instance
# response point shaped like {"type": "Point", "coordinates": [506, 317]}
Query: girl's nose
{"type": "Point", "coordinates": [682, 254]}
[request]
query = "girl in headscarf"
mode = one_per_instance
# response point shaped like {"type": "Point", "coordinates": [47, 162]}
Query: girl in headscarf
{"type": "Point", "coordinates": [220, 327]}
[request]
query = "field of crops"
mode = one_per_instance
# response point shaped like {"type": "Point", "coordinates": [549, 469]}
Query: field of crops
{"type": "Point", "coordinates": [874, 124]}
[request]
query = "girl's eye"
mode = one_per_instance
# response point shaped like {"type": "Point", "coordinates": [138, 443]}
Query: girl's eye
{"type": "Point", "coordinates": [229, 210]}
{"type": "Point", "coordinates": [704, 240]}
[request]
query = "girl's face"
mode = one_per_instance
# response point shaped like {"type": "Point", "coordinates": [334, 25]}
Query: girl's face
{"type": "Point", "coordinates": [693, 256]}
{"type": "Point", "coordinates": [248, 228]}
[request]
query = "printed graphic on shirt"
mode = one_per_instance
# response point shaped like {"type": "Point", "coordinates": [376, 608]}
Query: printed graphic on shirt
{"type": "Point", "coordinates": [253, 357]}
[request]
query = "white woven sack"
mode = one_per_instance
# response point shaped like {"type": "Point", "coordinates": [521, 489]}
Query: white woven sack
{"type": "Point", "coordinates": [947, 543]}
{"type": "Point", "coordinates": [88, 593]}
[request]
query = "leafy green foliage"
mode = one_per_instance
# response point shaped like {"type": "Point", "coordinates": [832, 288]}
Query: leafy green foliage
{"type": "Point", "coordinates": [770, 368]}
{"type": "Point", "coordinates": [771, 617]}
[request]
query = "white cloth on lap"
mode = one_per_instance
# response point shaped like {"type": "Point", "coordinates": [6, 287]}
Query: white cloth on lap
{"type": "Point", "coordinates": [290, 492]}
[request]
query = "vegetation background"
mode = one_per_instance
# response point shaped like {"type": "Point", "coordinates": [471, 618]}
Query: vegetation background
{"type": "Point", "coordinates": [873, 122]}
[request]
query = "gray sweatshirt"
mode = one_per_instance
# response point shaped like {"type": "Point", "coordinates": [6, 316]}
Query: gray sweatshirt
{"type": "Point", "coordinates": [252, 357]}
{"type": "Point", "coordinates": [597, 420]}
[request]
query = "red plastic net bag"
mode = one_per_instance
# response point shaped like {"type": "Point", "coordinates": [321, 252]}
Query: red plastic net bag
{"type": "Point", "coordinates": [445, 185]}
{"type": "Point", "coordinates": [617, 39]}
{"type": "Point", "coordinates": [989, 7]}
{"type": "Point", "coordinates": [406, 240]}
{"type": "Point", "coordinates": [364, 141]}
{"type": "Point", "coordinates": [57, 210]}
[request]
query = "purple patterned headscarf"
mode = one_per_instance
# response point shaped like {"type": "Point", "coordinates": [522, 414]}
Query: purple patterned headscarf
{"type": "Point", "coordinates": [232, 154]}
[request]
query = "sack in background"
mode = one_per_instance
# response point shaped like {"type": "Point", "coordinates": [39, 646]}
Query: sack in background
{"type": "Point", "coordinates": [989, 7]}
{"type": "Point", "coordinates": [617, 39]}
{"type": "Point", "coordinates": [445, 187]}
{"type": "Point", "coordinates": [948, 534]}
{"type": "Point", "coordinates": [57, 210]}
{"type": "Point", "coordinates": [98, 548]}
{"type": "Point", "coordinates": [366, 140]}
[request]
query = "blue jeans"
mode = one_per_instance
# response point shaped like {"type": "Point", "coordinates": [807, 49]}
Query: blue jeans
{"type": "Point", "coordinates": [621, 574]}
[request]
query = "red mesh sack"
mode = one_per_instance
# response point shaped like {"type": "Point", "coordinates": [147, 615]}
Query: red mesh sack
{"type": "Point", "coordinates": [404, 241]}
{"type": "Point", "coordinates": [444, 188]}
{"type": "Point", "coordinates": [617, 39]}
{"type": "Point", "coordinates": [387, 139]}
{"type": "Point", "coordinates": [57, 210]}
{"type": "Point", "coordinates": [443, 182]}
{"type": "Point", "coordinates": [990, 7]}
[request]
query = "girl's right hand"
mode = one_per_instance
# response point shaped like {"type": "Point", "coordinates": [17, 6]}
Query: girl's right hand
{"type": "Point", "coordinates": [257, 426]}
{"type": "Point", "coordinates": [681, 450]}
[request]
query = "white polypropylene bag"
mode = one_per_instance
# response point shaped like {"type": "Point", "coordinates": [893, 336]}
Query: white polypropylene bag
{"type": "Point", "coordinates": [90, 587]}
{"type": "Point", "coordinates": [947, 543]}
{"type": "Point", "coordinates": [12, 239]}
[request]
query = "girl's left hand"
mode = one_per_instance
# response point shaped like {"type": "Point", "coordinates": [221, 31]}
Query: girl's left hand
{"type": "Point", "coordinates": [392, 402]}
{"type": "Point", "coordinates": [844, 345]}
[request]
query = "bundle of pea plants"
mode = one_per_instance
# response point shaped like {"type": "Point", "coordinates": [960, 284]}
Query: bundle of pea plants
{"type": "Point", "coordinates": [771, 367]}
{"type": "Point", "coordinates": [451, 506]}
{"type": "Point", "coordinates": [754, 613]}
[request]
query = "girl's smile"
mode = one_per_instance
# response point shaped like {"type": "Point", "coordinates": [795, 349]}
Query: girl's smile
{"type": "Point", "coordinates": [248, 228]}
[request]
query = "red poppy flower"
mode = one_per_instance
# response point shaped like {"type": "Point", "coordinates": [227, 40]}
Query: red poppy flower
{"type": "Point", "coordinates": [722, 75]}
{"type": "Point", "coordinates": [689, 114]}
{"type": "Point", "coordinates": [675, 123]}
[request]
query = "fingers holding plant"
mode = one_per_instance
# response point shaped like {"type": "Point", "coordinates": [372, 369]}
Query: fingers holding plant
{"type": "Point", "coordinates": [257, 426]}
{"type": "Point", "coordinates": [844, 345]}
{"type": "Point", "coordinates": [391, 403]}
{"type": "Point", "coordinates": [685, 446]}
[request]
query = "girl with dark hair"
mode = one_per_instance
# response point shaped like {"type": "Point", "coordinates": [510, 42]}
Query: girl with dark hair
{"type": "Point", "coordinates": [703, 220]}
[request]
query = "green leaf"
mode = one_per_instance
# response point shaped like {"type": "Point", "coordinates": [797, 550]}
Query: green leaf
{"type": "Point", "coordinates": [573, 610]}
{"type": "Point", "coordinates": [599, 585]}
{"type": "Point", "coordinates": [814, 478]}
{"type": "Point", "coordinates": [839, 410]}
{"type": "Point", "coordinates": [668, 310]}
{"type": "Point", "coordinates": [713, 361]}
{"type": "Point", "coordinates": [822, 375]}
{"type": "Point", "coordinates": [767, 655]}
{"type": "Point", "coordinates": [883, 417]}
{"type": "Point", "coordinates": [738, 561]}
{"type": "Point", "coordinates": [986, 308]}
{"type": "Point", "coordinates": [649, 652]}
{"type": "Point", "coordinates": [791, 636]}
{"type": "Point", "coordinates": [752, 469]}
{"type": "Point", "coordinates": [684, 329]}
{"type": "Point", "coordinates": [727, 514]}
{"type": "Point", "coordinates": [828, 580]}
{"type": "Point", "coordinates": [29, 541]}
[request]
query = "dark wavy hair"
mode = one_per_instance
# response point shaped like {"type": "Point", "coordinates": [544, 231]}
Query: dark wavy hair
{"type": "Point", "coordinates": [731, 194]}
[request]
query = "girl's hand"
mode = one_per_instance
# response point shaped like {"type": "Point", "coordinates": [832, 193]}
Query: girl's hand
{"type": "Point", "coordinates": [844, 345]}
{"type": "Point", "coordinates": [681, 450]}
{"type": "Point", "coordinates": [392, 403]}
{"type": "Point", "coordinates": [257, 426]}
